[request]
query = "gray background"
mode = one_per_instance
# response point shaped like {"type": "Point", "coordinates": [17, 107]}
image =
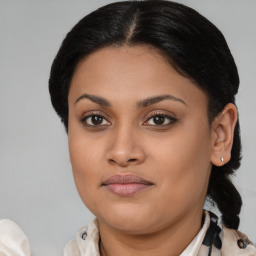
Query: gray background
{"type": "Point", "coordinates": [36, 184]}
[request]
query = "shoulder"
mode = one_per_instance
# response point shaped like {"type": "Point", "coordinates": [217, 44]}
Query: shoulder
{"type": "Point", "coordinates": [236, 243]}
{"type": "Point", "coordinates": [13, 241]}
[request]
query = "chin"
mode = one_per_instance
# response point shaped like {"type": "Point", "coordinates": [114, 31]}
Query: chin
{"type": "Point", "coordinates": [130, 225]}
{"type": "Point", "coordinates": [130, 219]}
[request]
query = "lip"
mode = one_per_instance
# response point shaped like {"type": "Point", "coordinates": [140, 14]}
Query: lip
{"type": "Point", "coordinates": [126, 185]}
{"type": "Point", "coordinates": [126, 179]}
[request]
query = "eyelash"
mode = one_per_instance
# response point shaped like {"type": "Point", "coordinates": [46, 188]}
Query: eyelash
{"type": "Point", "coordinates": [155, 114]}
{"type": "Point", "coordinates": [84, 119]}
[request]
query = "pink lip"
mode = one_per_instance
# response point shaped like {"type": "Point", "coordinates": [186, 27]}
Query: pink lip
{"type": "Point", "coordinates": [125, 185]}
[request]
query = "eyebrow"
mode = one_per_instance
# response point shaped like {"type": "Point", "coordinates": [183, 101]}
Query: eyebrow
{"type": "Point", "coordinates": [99, 100]}
{"type": "Point", "coordinates": [152, 100]}
{"type": "Point", "coordinates": [141, 104]}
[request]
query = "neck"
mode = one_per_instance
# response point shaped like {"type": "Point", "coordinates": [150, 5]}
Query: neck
{"type": "Point", "coordinates": [168, 241]}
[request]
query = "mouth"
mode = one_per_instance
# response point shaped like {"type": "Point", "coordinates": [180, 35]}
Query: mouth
{"type": "Point", "coordinates": [126, 185]}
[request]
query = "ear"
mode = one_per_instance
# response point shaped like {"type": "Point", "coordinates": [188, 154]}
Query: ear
{"type": "Point", "coordinates": [222, 134]}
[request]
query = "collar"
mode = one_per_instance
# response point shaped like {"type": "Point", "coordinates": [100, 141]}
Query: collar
{"type": "Point", "coordinates": [194, 247]}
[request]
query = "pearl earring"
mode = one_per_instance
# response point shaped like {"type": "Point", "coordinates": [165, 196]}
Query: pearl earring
{"type": "Point", "coordinates": [222, 159]}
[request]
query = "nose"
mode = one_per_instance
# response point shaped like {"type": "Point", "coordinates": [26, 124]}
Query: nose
{"type": "Point", "coordinates": [125, 148]}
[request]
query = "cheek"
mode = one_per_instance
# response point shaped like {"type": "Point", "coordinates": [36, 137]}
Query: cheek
{"type": "Point", "coordinates": [84, 148]}
{"type": "Point", "coordinates": [85, 156]}
{"type": "Point", "coordinates": [183, 162]}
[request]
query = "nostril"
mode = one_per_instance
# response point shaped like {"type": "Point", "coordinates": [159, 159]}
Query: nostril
{"type": "Point", "coordinates": [132, 160]}
{"type": "Point", "coordinates": [111, 161]}
{"type": "Point", "coordinates": [123, 162]}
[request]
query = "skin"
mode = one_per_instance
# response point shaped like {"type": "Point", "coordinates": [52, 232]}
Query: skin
{"type": "Point", "coordinates": [176, 156]}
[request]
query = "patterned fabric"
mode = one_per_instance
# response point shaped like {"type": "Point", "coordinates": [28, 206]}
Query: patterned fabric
{"type": "Point", "coordinates": [194, 247]}
{"type": "Point", "coordinates": [213, 239]}
{"type": "Point", "coordinates": [212, 242]}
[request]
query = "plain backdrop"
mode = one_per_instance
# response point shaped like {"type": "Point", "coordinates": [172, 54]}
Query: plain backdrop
{"type": "Point", "coordinates": [36, 183]}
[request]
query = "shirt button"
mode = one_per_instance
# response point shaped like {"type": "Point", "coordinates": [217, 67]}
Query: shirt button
{"type": "Point", "coordinates": [241, 244]}
{"type": "Point", "coordinates": [83, 235]}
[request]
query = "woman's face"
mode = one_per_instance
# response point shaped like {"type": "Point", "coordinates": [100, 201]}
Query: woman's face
{"type": "Point", "coordinates": [131, 113]}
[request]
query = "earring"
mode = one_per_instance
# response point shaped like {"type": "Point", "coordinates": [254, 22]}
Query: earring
{"type": "Point", "coordinates": [221, 159]}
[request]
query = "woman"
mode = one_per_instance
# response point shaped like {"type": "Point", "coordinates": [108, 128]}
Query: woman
{"type": "Point", "coordinates": [146, 91]}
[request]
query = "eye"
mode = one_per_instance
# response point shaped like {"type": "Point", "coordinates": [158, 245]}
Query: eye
{"type": "Point", "coordinates": [160, 120]}
{"type": "Point", "coordinates": [94, 120]}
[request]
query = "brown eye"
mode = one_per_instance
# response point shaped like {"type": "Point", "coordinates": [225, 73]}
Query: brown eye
{"type": "Point", "coordinates": [161, 120]}
{"type": "Point", "coordinates": [95, 120]}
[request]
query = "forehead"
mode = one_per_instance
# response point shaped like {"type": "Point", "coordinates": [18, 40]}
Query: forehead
{"type": "Point", "coordinates": [131, 73]}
